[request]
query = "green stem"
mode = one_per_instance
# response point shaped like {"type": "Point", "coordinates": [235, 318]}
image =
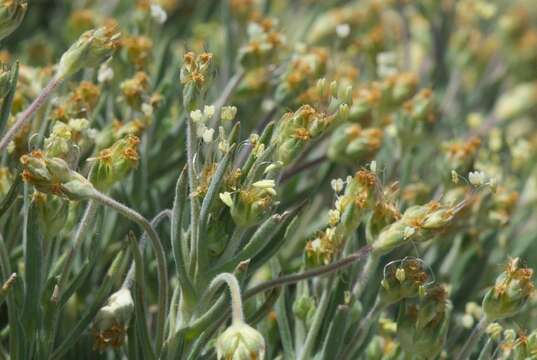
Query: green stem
{"type": "Point", "coordinates": [159, 254]}
{"type": "Point", "coordinates": [129, 279]}
{"type": "Point", "coordinates": [321, 270]}
{"type": "Point", "coordinates": [485, 352]}
{"type": "Point", "coordinates": [26, 116]}
{"type": "Point", "coordinates": [237, 314]}
{"type": "Point", "coordinates": [470, 344]}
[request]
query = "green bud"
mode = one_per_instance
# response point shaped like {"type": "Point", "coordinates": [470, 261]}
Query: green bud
{"type": "Point", "coordinates": [510, 292]}
{"type": "Point", "coordinates": [53, 176]}
{"type": "Point", "coordinates": [194, 77]}
{"type": "Point", "coordinates": [240, 342]}
{"type": "Point", "coordinates": [111, 322]}
{"type": "Point", "coordinates": [422, 327]}
{"type": "Point", "coordinates": [11, 14]}
{"type": "Point", "coordinates": [91, 49]}
{"type": "Point", "coordinates": [302, 306]}
{"type": "Point", "coordinates": [402, 280]}
{"type": "Point", "coordinates": [296, 129]}
{"type": "Point", "coordinates": [252, 204]}
{"type": "Point", "coordinates": [114, 163]}
{"type": "Point", "coordinates": [350, 144]}
{"type": "Point", "coordinates": [263, 47]}
{"type": "Point", "coordinates": [526, 347]}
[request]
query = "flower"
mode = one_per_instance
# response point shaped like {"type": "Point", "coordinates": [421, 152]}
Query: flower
{"type": "Point", "coordinates": [91, 49]}
{"type": "Point", "coordinates": [477, 178]}
{"type": "Point", "coordinates": [11, 14]}
{"type": "Point", "coordinates": [240, 342]}
{"type": "Point", "coordinates": [111, 322]}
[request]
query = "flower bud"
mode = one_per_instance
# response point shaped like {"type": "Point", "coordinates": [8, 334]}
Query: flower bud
{"type": "Point", "coordinates": [294, 130]}
{"type": "Point", "coordinates": [53, 176]}
{"type": "Point", "coordinates": [251, 205]}
{"type": "Point", "coordinates": [91, 49]}
{"type": "Point", "coordinates": [403, 279]}
{"type": "Point", "coordinates": [263, 47]}
{"type": "Point", "coordinates": [194, 77]}
{"type": "Point", "coordinates": [111, 322]}
{"type": "Point", "coordinates": [526, 346]}
{"type": "Point", "coordinates": [114, 163]}
{"type": "Point", "coordinates": [240, 342]}
{"type": "Point", "coordinates": [360, 196]}
{"type": "Point", "coordinates": [422, 327]}
{"type": "Point", "coordinates": [350, 144]}
{"type": "Point", "coordinates": [11, 14]}
{"type": "Point", "coordinates": [510, 292]}
{"type": "Point", "coordinates": [303, 306]}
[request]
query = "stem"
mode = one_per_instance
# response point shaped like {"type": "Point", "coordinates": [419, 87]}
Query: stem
{"type": "Point", "coordinates": [237, 315]}
{"type": "Point", "coordinates": [473, 339]}
{"type": "Point", "coordinates": [321, 270]}
{"type": "Point", "coordinates": [129, 279]}
{"type": "Point", "coordinates": [159, 254]}
{"type": "Point", "coordinates": [26, 116]}
{"type": "Point", "coordinates": [302, 167]}
{"type": "Point", "coordinates": [485, 352]}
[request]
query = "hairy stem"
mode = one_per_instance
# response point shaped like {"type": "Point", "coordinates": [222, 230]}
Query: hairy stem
{"type": "Point", "coordinates": [129, 279]}
{"type": "Point", "coordinates": [237, 315]}
{"type": "Point", "coordinates": [27, 114]}
{"type": "Point", "coordinates": [322, 270]}
{"type": "Point", "coordinates": [159, 254]}
{"type": "Point", "coordinates": [470, 344]}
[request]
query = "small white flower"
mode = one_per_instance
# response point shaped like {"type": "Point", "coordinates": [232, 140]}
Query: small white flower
{"type": "Point", "coordinates": [105, 73]}
{"type": "Point", "coordinates": [208, 110]}
{"type": "Point", "coordinates": [333, 216]}
{"type": "Point", "coordinates": [343, 30]}
{"type": "Point", "coordinates": [158, 13]}
{"type": "Point", "coordinates": [337, 185]}
{"type": "Point", "coordinates": [467, 321]}
{"type": "Point", "coordinates": [147, 109]}
{"type": "Point", "coordinates": [196, 116]}
{"type": "Point", "coordinates": [226, 198]}
{"type": "Point", "coordinates": [264, 184]}
{"type": "Point", "coordinates": [228, 113]}
{"type": "Point", "coordinates": [208, 135]}
{"type": "Point", "coordinates": [79, 124]}
{"type": "Point", "coordinates": [408, 232]}
{"type": "Point", "coordinates": [477, 178]}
